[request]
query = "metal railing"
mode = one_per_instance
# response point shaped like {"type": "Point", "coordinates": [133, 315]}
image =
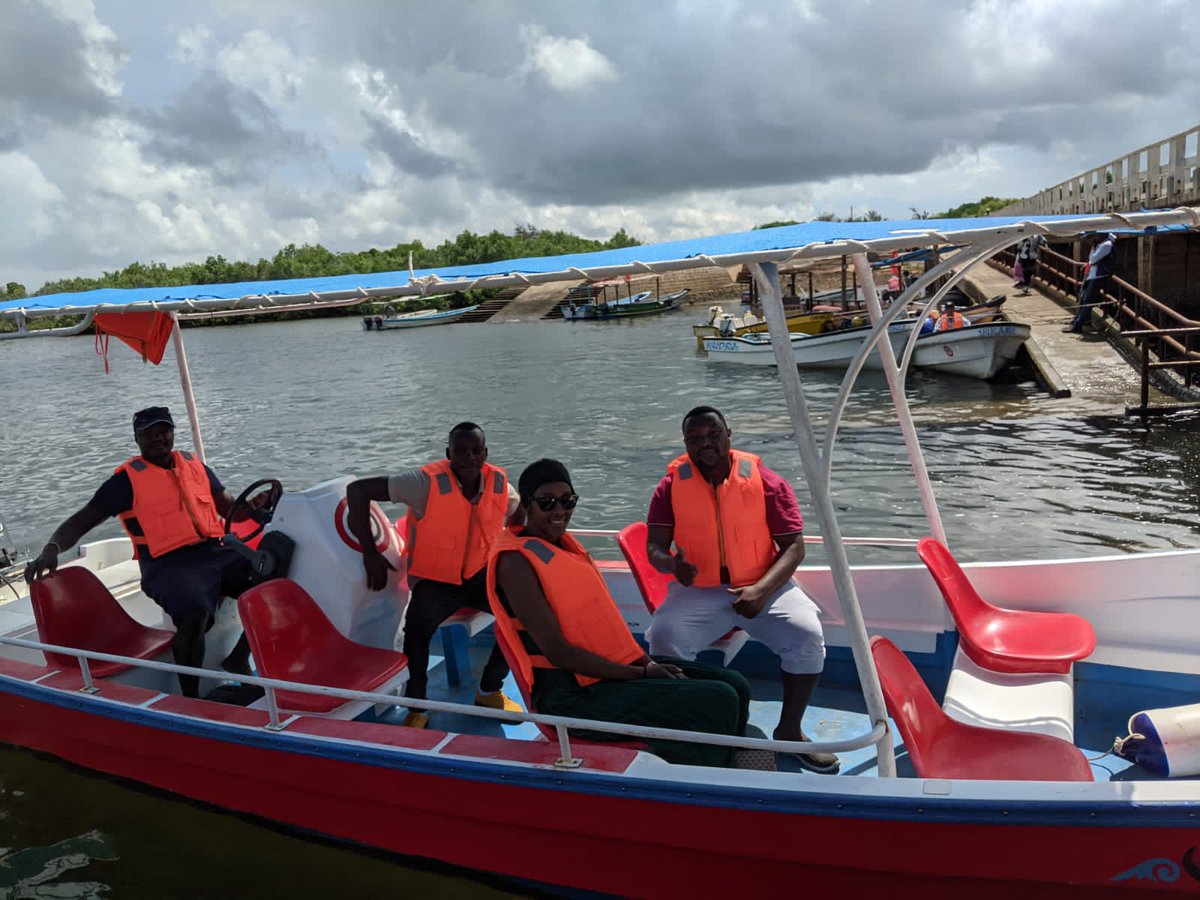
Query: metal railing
{"type": "Point", "coordinates": [1171, 337]}
{"type": "Point", "coordinates": [559, 723]}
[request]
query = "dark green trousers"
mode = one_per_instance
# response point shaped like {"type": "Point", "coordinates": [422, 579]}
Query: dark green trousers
{"type": "Point", "coordinates": [710, 699]}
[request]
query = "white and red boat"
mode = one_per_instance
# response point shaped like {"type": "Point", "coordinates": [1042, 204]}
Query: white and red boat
{"type": "Point", "coordinates": [995, 796]}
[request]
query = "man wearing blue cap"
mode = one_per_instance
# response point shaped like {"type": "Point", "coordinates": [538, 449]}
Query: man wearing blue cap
{"type": "Point", "coordinates": [171, 505]}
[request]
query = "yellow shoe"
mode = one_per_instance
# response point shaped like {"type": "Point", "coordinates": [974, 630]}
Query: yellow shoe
{"type": "Point", "coordinates": [497, 700]}
{"type": "Point", "coordinates": [416, 718]}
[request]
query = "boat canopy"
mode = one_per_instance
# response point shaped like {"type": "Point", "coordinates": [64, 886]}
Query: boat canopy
{"type": "Point", "coordinates": [812, 240]}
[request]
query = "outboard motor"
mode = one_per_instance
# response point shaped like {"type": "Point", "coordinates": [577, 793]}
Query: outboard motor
{"type": "Point", "coordinates": [327, 562]}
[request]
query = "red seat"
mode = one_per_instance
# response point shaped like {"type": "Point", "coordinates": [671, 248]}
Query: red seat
{"type": "Point", "coordinates": [940, 747]}
{"type": "Point", "coordinates": [653, 584]}
{"type": "Point", "coordinates": [73, 608]}
{"type": "Point", "coordinates": [1006, 640]}
{"type": "Point", "coordinates": [292, 640]}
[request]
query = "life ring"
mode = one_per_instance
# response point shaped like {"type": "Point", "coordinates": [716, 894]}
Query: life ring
{"type": "Point", "coordinates": [381, 528]}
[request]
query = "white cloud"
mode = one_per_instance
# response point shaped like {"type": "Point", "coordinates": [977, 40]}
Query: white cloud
{"type": "Point", "coordinates": [30, 199]}
{"type": "Point", "coordinates": [566, 64]}
{"type": "Point", "coordinates": [191, 45]}
{"type": "Point", "coordinates": [265, 64]}
{"type": "Point", "coordinates": [230, 128]}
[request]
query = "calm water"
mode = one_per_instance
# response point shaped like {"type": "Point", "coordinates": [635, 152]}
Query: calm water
{"type": "Point", "coordinates": [305, 401]}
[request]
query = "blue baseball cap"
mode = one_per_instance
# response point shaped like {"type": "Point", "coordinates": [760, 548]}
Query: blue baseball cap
{"type": "Point", "coordinates": [152, 415]}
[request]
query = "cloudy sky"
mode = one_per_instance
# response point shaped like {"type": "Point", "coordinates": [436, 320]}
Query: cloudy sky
{"type": "Point", "coordinates": [151, 131]}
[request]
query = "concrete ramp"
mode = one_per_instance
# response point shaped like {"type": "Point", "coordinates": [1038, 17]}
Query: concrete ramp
{"type": "Point", "coordinates": [534, 302]}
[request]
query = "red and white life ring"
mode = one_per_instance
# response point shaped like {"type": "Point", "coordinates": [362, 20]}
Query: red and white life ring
{"type": "Point", "coordinates": [381, 528]}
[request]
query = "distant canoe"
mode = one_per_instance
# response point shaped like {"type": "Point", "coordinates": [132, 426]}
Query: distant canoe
{"type": "Point", "coordinates": [418, 319]}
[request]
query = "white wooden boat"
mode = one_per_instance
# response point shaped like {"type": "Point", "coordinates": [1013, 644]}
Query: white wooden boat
{"type": "Point", "coordinates": [546, 811]}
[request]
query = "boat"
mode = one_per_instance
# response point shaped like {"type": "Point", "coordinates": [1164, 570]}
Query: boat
{"type": "Point", "coordinates": [979, 350]}
{"type": "Point", "coordinates": [825, 350]}
{"type": "Point", "coordinates": [641, 305]}
{"type": "Point", "coordinates": [957, 817]}
{"type": "Point", "coordinates": [417, 319]}
{"type": "Point", "coordinates": [724, 324]}
{"type": "Point", "coordinates": [974, 351]}
{"type": "Point", "coordinates": [574, 310]}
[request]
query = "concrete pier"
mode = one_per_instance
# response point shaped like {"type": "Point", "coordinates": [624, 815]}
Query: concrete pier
{"type": "Point", "coordinates": [1101, 382]}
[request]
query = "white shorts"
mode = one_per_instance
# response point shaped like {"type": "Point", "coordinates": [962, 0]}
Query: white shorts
{"type": "Point", "coordinates": [691, 618]}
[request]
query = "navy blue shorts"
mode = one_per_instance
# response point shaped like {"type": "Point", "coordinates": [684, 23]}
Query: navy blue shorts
{"type": "Point", "coordinates": [196, 577]}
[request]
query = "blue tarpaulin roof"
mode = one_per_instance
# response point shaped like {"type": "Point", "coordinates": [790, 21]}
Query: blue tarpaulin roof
{"type": "Point", "coordinates": [726, 249]}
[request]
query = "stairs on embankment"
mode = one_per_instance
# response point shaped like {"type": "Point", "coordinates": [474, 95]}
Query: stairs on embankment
{"type": "Point", "coordinates": [490, 307]}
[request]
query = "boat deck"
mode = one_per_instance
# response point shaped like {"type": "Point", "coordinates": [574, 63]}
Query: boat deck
{"type": "Point", "coordinates": [837, 712]}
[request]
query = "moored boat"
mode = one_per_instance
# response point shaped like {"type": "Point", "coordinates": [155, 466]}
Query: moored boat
{"type": "Point", "coordinates": [418, 319]}
{"type": "Point", "coordinates": [974, 351]}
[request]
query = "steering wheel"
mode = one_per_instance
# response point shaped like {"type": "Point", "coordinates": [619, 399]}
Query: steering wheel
{"type": "Point", "coordinates": [262, 515]}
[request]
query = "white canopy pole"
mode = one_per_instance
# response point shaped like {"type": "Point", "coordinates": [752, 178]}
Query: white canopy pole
{"type": "Point", "coordinates": [767, 277]}
{"type": "Point", "coordinates": [908, 428]}
{"type": "Point", "coordinates": [185, 379]}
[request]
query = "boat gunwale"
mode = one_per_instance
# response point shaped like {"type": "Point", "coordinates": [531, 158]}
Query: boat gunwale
{"type": "Point", "coordinates": [882, 799]}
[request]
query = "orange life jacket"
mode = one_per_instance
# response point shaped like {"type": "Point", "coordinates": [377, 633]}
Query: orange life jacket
{"type": "Point", "coordinates": [455, 536]}
{"type": "Point", "coordinates": [173, 507]}
{"type": "Point", "coordinates": [578, 597]}
{"type": "Point", "coordinates": [950, 321]}
{"type": "Point", "coordinates": [726, 528]}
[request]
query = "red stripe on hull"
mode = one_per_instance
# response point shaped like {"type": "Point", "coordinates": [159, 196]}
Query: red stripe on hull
{"type": "Point", "coordinates": [613, 844]}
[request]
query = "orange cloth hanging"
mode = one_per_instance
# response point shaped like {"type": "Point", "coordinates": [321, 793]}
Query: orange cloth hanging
{"type": "Point", "coordinates": [145, 332]}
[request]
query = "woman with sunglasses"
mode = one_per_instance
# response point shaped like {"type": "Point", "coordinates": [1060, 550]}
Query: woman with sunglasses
{"type": "Point", "coordinates": [556, 619]}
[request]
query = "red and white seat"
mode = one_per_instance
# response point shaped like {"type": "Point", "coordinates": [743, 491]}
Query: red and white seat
{"type": "Point", "coordinates": [1013, 667]}
{"type": "Point", "coordinates": [942, 747]}
{"type": "Point", "coordinates": [292, 640]}
{"type": "Point", "coordinates": [653, 585]}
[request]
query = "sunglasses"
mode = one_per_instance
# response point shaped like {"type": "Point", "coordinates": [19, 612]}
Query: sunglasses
{"type": "Point", "coordinates": [548, 502]}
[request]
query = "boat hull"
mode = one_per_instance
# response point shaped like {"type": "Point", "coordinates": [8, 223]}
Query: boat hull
{"type": "Point", "coordinates": [831, 350]}
{"type": "Point", "coordinates": [655, 838]}
{"type": "Point", "coordinates": [977, 351]}
{"type": "Point", "coordinates": [416, 320]}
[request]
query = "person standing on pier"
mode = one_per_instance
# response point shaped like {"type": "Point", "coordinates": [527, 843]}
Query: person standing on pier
{"type": "Point", "coordinates": [457, 509]}
{"type": "Point", "coordinates": [1101, 263]}
{"type": "Point", "coordinates": [737, 531]}
{"type": "Point", "coordinates": [1027, 253]}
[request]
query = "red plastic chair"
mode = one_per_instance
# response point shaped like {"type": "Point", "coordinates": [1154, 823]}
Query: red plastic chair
{"type": "Point", "coordinates": [73, 608]}
{"type": "Point", "coordinates": [292, 640]}
{"type": "Point", "coordinates": [653, 585]}
{"type": "Point", "coordinates": [1006, 640]}
{"type": "Point", "coordinates": [940, 747]}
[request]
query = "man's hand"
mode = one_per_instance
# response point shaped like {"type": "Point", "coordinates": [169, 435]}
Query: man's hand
{"type": "Point", "coordinates": [750, 600]}
{"type": "Point", "coordinates": [264, 497]}
{"type": "Point", "coordinates": [685, 572]}
{"type": "Point", "coordinates": [46, 562]}
{"type": "Point", "coordinates": [377, 568]}
{"type": "Point", "coordinates": [663, 670]}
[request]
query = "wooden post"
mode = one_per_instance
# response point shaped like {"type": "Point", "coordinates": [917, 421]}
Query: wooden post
{"type": "Point", "coordinates": [1145, 376]}
{"type": "Point", "coordinates": [843, 282]}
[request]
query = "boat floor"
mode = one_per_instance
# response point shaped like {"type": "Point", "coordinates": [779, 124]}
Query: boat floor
{"type": "Point", "coordinates": [836, 712]}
